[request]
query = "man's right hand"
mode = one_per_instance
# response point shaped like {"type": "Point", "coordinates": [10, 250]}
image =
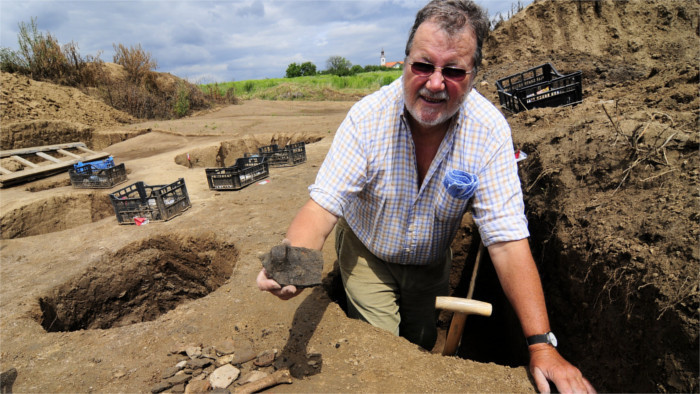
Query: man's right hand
{"type": "Point", "coordinates": [267, 284]}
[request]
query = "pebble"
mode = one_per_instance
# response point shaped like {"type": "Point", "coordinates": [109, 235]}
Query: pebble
{"type": "Point", "coordinates": [197, 386]}
{"type": "Point", "coordinates": [198, 363]}
{"type": "Point", "coordinates": [225, 360]}
{"type": "Point", "coordinates": [225, 347]}
{"type": "Point", "coordinates": [177, 379]}
{"type": "Point", "coordinates": [160, 387]}
{"type": "Point", "coordinates": [193, 351]}
{"type": "Point", "coordinates": [169, 372]}
{"type": "Point", "coordinates": [265, 358]}
{"type": "Point", "coordinates": [222, 377]}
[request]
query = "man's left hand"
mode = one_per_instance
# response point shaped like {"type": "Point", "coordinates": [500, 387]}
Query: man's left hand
{"type": "Point", "coordinates": [546, 364]}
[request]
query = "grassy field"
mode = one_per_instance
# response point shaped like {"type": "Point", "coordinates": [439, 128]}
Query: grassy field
{"type": "Point", "coordinates": [318, 87]}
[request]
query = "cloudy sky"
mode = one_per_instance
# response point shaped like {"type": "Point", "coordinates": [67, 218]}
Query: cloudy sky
{"type": "Point", "coordinates": [216, 41]}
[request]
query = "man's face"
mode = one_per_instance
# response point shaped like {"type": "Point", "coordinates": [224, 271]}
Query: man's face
{"type": "Point", "coordinates": [433, 100]}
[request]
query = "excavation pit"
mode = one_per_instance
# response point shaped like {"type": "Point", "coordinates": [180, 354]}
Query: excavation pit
{"type": "Point", "coordinates": [55, 214]}
{"type": "Point", "coordinates": [139, 283]}
{"type": "Point", "coordinates": [227, 152]}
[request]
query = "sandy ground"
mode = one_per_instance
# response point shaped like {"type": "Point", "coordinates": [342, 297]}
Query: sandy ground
{"type": "Point", "coordinates": [611, 195]}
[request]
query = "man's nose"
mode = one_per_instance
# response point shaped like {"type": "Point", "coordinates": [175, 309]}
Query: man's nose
{"type": "Point", "coordinates": [436, 82]}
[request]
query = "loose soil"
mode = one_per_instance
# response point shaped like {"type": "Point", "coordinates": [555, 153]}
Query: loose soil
{"type": "Point", "coordinates": [611, 189]}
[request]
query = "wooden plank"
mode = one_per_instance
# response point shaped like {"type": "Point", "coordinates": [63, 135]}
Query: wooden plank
{"type": "Point", "coordinates": [24, 161]}
{"type": "Point", "coordinates": [43, 171]}
{"type": "Point", "coordinates": [5, 170]}
{"type": "Point", "coordinates": [45, 148]}
{"type": "Point", "coordinates": [49, 158]}
{"type": "Point", "coordinates": [66, 153]}
{"type": "Point", "coordinates": [84, 149]}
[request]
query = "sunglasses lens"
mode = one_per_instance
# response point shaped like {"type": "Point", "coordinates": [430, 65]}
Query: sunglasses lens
{"type": "Point", "coordinates": [422, 69]}
{"type": "Point", "coordinates": [427, 69]}
{"type": "Point", "coordinates": [455, 74]}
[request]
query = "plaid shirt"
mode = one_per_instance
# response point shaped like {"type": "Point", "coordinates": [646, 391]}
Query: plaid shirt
{"type": "Point", "coordinates": [370, 178]}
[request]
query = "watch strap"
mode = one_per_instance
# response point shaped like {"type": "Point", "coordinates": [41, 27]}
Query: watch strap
{"type": "Point", "coordinates": [540, 338]}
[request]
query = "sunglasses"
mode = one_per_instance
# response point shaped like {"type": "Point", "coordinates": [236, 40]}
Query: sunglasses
{"type": "Point", "coordinates": [426, 69]}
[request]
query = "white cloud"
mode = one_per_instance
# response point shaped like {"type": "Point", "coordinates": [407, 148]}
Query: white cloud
{"type": "Point", "coordinates": [226, 40]}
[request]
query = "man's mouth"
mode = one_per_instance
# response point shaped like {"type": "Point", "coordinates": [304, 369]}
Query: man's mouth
{"type": "Point", "coordinates": [434, 98]}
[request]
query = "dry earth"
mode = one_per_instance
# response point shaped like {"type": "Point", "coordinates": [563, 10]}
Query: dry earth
{"type": "Point", "coordinates": [611, 193]}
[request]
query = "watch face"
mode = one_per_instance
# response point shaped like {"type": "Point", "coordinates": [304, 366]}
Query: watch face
{"type": "Point", "coordinates": [552, 339]}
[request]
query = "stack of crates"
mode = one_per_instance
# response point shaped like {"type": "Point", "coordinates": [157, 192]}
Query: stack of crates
{"type": "Point", "coordinates": [287, 156]}
{"type": "Point", "coordinates": [99, 174]}
{"type": "Point", "coordinates": [244, 172]}
{"type": "Point", "coordinates": [154, 203]}
{"type": "Point", "coordinates": [541, 86]}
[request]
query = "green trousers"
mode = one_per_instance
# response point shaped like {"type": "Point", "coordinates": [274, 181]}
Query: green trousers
{"type": "Point", "coordinates": [398, 298]}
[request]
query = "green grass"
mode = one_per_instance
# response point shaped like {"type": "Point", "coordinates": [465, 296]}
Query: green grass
{"type": "Point", "coordinates": [318, 87]}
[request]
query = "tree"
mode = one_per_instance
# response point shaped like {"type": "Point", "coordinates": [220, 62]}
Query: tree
{"type": "Point", "coordinates": [356, 69]}
{"type": "Point", "coordinates": [338, 65]}
{"type": "Point", "coordinates": [300, 70]}
{"type": "Point", "coordinates": [293, 70]}
{"type": "Point", "coordinates": [308, 69]}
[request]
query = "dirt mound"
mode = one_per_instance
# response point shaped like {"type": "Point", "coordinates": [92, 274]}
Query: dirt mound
{"type": "Point", "coordinates": [41, 113]}
{"type": "Point", "coordinates": [611, 187]}
{"type": "Point", "coordinates": [610, 41]}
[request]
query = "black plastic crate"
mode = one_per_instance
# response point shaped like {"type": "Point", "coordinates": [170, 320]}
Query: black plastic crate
{"type": "Point", "coordinates": [155, 203]}
{"type": "Point", "coordinates": [244, 172]}
{"type": "Point", "coordinates": [287, 156]}
{"type": "Point", "coordinates": [538, 87]}
{"type": "Point", "coordinates": [92, 177]}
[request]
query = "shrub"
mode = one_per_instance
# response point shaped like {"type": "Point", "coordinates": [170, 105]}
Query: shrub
{"type": "Point", "coordinates": [42, 58]}
{"type": "Point", "coordinates": [137, 62]}
{"type": "Point", "coordinates": [182, 100]}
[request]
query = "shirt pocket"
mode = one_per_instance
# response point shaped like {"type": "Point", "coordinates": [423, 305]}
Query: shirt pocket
{"type": "Point", "coordinates": [448, 208]}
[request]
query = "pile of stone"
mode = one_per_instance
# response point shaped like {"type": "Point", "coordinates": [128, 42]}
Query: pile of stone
{"type": "Point", "coordinates": [225, 367]}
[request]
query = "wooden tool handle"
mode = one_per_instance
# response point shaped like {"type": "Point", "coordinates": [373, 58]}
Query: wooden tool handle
{"type": "Point", "coordinates": [463, 305]}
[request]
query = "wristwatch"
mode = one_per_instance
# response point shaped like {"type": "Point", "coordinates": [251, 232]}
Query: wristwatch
{"type": "Point", "coordinates": [542, 338]}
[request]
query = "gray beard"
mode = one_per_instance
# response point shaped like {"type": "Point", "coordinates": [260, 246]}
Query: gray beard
{"type": "Point", "coordinates": [440, 119]}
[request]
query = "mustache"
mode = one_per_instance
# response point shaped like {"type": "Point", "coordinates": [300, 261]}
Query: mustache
{"type": "Point", "coordinates": [441, 95]}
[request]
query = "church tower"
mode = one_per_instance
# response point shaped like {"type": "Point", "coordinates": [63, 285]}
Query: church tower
{"type": "Point", "coordinates": [382, 60]}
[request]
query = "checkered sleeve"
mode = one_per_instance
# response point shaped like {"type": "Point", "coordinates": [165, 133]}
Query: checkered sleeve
{"type": "Point", "coordinates": [498, 209]}
{"type": "Point", "coordinates": [343, 172]}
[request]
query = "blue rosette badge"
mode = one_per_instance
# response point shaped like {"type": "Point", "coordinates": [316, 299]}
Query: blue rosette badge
{"type": "Point", "coordinates": [460, 184]}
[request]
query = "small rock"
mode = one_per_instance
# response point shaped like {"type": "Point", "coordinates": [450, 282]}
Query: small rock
{"type": "Point", "coordinates": [119, 374]}
{"type": "Point", "coordinates": [177, 379]}
{"type": "Point", "coordinates": [222, 377]}
{"type": "Point", "coordinates": [169, 372]}
{"type": "Point", "coordinates": [201, 376]}
{"type": "Point", "coordinates": [199, 363]}
{"type": "Point", "coordinates": [265, 358]}
{"type": "Point", "coordinates": [160, 387]}
{"type": "Point", "coordinates": [197, 386]}
{"type": "Point", "coordinates": [244, 353]}
{"type": "Point", "coordinates": [225, 359]}
{"type": "Point", "coordinates": [181, 364]}
{"type": "Point", "coordinates": [193, 351]}
{"type": "Point", "coordinates": [252, 376]}
{"type": "Point", "coordinates": [209, 352]}
{"type": "Point", "coordinates": [225, 347]}
{"type": "Point", "coordinates": [178, 388]}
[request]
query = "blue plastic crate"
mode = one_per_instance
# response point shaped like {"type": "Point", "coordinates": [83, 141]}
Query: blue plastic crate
{"type": "Point", "coordinates": [97, 164]}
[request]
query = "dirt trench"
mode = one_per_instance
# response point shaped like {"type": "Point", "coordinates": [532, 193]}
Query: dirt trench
{"type": "Point", "coordinates": [138, 283]}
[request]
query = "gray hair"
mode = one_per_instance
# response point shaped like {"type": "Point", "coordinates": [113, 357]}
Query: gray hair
{"type": "Point", "coordinates": [453, 16]}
